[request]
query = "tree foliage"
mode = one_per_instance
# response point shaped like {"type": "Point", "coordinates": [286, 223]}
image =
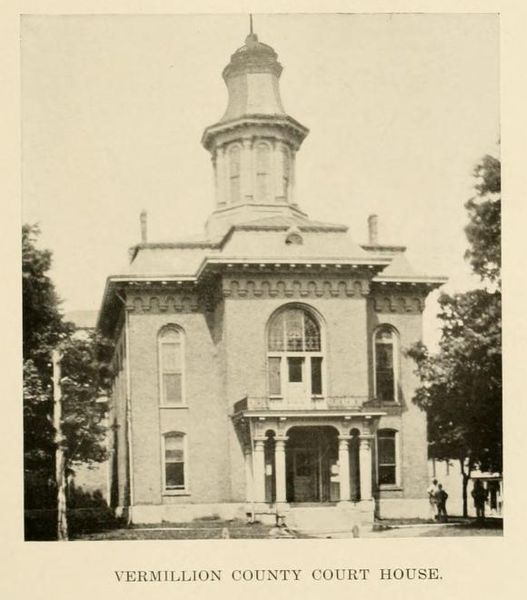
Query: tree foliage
{"type": "Point", "coordinates": [84, 371]}
{"type": "Point", "coordinates": [86, 378]}
{"type": "Point", "coordinates": [461, 384]}
{"type": "Point", "coordinates": [43, 324]}
{"type": "Point", "coordinates": [484, 228]}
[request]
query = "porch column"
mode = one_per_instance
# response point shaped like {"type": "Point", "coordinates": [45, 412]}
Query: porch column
{"type": "Point", "coordinates": [259, 471]}
{"type": "Point", "coordinates": [344, 468]}
{"type": "Point", "coordinates": [279, 462]}
{"type": "Point", "coordinates": [365, 467]}
{"type": "Point", "coordinates": [248, 473]}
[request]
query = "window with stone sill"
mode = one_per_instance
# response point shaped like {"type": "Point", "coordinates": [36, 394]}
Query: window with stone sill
{"type": "Point", "coordinates": [387, 458]}
{"type": "Point", "coordinates": [174, 463]}
{"type": "Point", "coordinates": [171, 366]}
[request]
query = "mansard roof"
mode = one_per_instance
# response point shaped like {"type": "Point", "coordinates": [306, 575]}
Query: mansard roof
{"type": "Point", "coordinates": [260, 240]}
{"type": "Point", "coordinates": [263, 242]}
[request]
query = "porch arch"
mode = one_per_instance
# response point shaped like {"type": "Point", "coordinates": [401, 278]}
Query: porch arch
{"type": "Point", "coordinates": [312, 473]}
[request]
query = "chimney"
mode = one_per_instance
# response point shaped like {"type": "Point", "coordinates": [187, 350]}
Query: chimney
{"type": "Point", "coordinates": [373, 221]}
{"type": "Point", "coordinates": [143, 219]}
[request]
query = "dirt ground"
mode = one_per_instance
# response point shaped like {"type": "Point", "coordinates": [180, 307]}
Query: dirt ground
{"type": "Point", "coordinates": [199, 530]}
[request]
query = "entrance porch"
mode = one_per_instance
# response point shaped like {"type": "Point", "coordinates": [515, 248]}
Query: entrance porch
{"type": "Point", "coordinates": [309, 470]}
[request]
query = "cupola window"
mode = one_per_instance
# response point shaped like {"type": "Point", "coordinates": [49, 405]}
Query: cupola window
{"type": "Point", "coordinates": [286, 172]}
{"type": "Point", "coordinates": [263, 160]}
{"type": "Point", "coordinates": [234, 174]}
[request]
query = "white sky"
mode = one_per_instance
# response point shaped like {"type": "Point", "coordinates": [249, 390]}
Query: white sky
{"type": "Point", "coordinates": [400, 109]}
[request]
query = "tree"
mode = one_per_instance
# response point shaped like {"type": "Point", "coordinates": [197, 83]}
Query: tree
{"type": "Point", "coordinates": [461, 384]}
{"type": "Point", "coordinates": [43, 324]}
{"type": "Point", "coordinates": [43, 329]}
{"type": "Point", "coordinates": [484, 227]}
{"type": "Point", "coordinates": [84, 378]}
{"type": "Point", "coordinates": [79, 377]}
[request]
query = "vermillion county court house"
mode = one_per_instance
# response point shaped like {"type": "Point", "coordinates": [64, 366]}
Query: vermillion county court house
{"type": "Point", "coordinates": [261, 370]}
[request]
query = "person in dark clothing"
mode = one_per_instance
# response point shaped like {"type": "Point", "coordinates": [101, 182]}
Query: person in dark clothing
{"type": "Point", "coordinates": [441, 498]}
{"type": "Point", "coordinates": [479, 494]}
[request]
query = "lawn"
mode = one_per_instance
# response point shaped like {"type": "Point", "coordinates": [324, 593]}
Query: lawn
{"type": "Point", "coordinates": [196, 530]}
{"type": "Point", "coordinates": [238, 529]}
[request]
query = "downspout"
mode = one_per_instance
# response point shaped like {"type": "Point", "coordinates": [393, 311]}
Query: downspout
{"type": "Point", "coordinates": [128, 410]}
{"type": "Point", "coordinates": [253, 510]}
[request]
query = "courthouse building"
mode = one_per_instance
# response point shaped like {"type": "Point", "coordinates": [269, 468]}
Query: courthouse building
{"type": "Point", "coordinates": [262, 368]}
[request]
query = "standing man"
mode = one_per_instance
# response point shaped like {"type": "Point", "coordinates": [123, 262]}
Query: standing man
{"type": "Point", "coordinates": [479, 493]}
{"type": "Point", "coordinates": [432, 491]}
{"type": "Point", "coordinates": [441, 498]}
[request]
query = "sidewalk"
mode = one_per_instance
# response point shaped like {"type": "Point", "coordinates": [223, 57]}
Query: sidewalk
{"type": "Point", "coordinates": [456, 527]}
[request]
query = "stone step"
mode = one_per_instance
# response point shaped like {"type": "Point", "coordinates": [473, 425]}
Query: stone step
{"type": "Point", "coordinates": [328, 519]}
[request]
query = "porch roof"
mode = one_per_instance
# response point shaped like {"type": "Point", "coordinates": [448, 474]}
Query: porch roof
{"type": "Point", "coordinates": [336, 406]}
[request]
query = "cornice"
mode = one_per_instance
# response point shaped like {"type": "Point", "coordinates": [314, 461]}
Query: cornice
{"type": "Point", "coordinates": [298, 130]}
{"type": "Point", "coordinates": [156, 302]}
{"type": "Point", "coordinates": [399, 303]}
{"type": "Point", "coordinates": [277, 287]}
{"type": "Point", "coordinates": [410, 280]}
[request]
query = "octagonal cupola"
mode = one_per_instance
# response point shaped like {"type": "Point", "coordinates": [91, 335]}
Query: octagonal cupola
{"type": "Point", "coordinates": [253, 146]}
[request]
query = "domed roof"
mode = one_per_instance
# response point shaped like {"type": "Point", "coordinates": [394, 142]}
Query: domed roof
{"type": "Point", "coordinates": [253, 56]}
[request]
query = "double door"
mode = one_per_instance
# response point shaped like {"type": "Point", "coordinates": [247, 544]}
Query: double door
{"type": "Point", "coordinates": [309, 472]}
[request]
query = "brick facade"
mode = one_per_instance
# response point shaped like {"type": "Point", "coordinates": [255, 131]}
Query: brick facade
{"type": "Point", "coordinates": [226, 444]}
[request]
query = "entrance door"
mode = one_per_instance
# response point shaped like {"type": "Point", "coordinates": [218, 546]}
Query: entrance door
{"type": "Point", "coordinates": [296, 381]}
{"type": "Point", "coordinates": [305, 475]}
{"type": "Point", "coordinates": [310, 454]}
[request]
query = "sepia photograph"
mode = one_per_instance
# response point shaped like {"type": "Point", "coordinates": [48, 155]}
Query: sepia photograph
{"type": "Point", "coordinates": [261, 276]}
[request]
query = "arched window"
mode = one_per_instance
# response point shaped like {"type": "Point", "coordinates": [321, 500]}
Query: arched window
{"type": "Point", "coordinates": [263, 160]}
{"type": "Point", "coordinates": [286, 171]}
{"type": "Point", "coordinates": [171, 366]}
{"type": "Point", "coordinates": [385, 342]}
{"type": "Point", "coordinates": [234, 173]}
{"type": "Point", "coordinates": [174, 462]}
{"type": "Point", "coordinates": [295, 366]}
{"type": "Point", "coordinates": [387, 457]}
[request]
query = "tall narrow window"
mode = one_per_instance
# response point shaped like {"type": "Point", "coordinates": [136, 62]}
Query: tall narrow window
{"type": "Point", "coordinates": [275, 385]}
{"type": "Point", "coordinates": [234, 174]}
{"type": "Point", "coordinates": [171, 366]}
{"type": "Point", "coordinates": [295, 358]}
{"type": "Point", "coordinates": [286, 172]}
{"type": "Point", "coordinates": [385, 345]}
{"type": "Point", "coordinates": [174, 462]}
{"type": "Point", "coordinates": [387, 457]}
{"type": "Point", "coordinates": [262, 172]}
{"type": "Point", "coordinates": [316, 375]}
